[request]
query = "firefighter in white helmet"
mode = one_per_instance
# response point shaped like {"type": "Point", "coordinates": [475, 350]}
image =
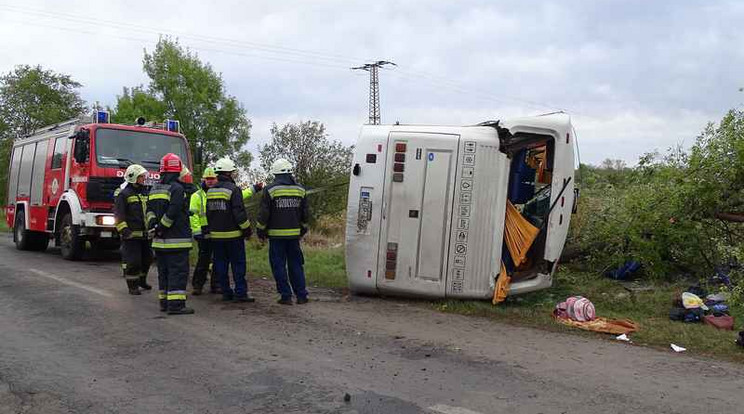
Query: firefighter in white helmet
{"type": "Point", "coordinates": [129, 211]}
{"type": "Point", "coordinates": [283, 218]}
{"type": "Point", "coordinates": [228, 228]}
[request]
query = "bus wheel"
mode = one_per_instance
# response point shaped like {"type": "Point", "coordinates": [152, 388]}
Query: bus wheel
{"type": "Point", "coordinates": [70, 242]}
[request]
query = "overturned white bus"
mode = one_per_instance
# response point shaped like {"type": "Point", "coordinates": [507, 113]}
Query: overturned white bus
{"type": "Point", "coordinates": [427, 206]}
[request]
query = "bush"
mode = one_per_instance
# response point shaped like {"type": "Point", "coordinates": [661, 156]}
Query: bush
{"type": "Point", "coordinates": [666, 211]}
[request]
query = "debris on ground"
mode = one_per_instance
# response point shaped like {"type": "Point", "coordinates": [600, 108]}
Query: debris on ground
{"type": "Point", "coordinates": [720, 321]}
{"type": "Point", "coordinates": [623, 337]}
{"type": "Point", "coordinates": [624, 272]}
{"type": "Point", "coordinates": [677, 348]}
{"type": "Point", "coordinates": [689, 307]}
{"type": "Point", "coordinates": [579, 312]}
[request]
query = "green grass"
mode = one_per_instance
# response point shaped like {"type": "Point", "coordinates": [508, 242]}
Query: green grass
{"type": "Point", "coordinates": [3, 225]}
{"type": "Point", "coordinates": [650, 309]}
{"type": "Point", "coordinates": [324, 267]}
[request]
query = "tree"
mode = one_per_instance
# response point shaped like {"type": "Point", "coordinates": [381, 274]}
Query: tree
{"type": "Point", "coordinates": [137, 102]}
{"type": "Point", "coordinates": [182, 87]}
{"type": "Point", "coordinates": [318, 161]}
{"type": "Point", "coordinates": [30, 98]}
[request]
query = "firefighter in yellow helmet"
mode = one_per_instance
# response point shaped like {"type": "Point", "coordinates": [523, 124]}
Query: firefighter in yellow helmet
{"type": "Point", "coordinates": [130, 210]}
{"type": "Point", "coordinates": [200, 230]}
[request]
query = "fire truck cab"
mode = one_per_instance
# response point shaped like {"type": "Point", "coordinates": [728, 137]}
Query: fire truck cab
{"type": "Point", "coordinates": [427, 205]}
{"type": "Point", "coordinates": [62, 179]}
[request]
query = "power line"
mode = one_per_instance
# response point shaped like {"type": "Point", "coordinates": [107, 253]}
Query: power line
{"type": "Point", "coordinates": [269, 52]}
{"type": "Point", "coordinates": [374, 88]}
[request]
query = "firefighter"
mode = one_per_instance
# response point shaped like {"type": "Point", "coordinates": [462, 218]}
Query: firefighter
{"type": "Point", "coordinates": [283, 218]}
{"type": "Point", "coordinates": [168, 217]}
{"type": "Point", "coordinates": [200, 230]}
{"type": "Point", "coordinates": [228, 227]}
{"type": "Point", "coordinates": [130, 209]}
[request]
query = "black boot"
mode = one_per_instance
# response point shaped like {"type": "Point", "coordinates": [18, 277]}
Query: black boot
{"type": "Point", "coordinates": [133, 287]}
{"type": "Point", "coordinates": [143, 283]}
{"type": "Point", "coordinates": [180, 311]}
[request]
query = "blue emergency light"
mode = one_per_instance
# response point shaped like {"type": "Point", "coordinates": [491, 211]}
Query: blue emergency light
{"type": "Point", "coordinates": [102, 117]}
{"type": "Point", "coordinates": [172, 125]}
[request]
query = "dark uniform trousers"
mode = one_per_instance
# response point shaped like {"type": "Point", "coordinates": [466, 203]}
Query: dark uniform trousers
{"type": "Point", "coordinates": [173, 275]}
{"type": "Point", "coordinates": [136, 258]}
{"type": "Point", "coordinates": [202, 265]}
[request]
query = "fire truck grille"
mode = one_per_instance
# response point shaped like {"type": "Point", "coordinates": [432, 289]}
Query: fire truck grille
{"type": "Point", "coordinates": [102, 188]}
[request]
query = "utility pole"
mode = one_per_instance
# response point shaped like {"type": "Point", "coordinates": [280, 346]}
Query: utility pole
{"type": "Point", "coordinates": [374, 88]}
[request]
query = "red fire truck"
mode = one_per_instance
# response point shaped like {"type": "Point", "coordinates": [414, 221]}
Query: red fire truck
{"type": "Point", "coordinates": [62, 179]}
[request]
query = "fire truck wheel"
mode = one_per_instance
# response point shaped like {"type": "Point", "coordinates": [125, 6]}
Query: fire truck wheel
{"type": "Point", "coordinates": [20, 234]}
{"type": "Point", "coordinates": [71, 244]}
{"type": "Point", "coordinates": [25, 239]}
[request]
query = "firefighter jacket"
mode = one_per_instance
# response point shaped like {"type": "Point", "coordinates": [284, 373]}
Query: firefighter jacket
{"type": "Point", "coordinates": [198, 210]}
{"type": "Point", "coordinates": [167, 209]}
{"type": "Point", "coordinates": [284, 212]}
{"type": "Point", "coordinates": [226, 213]}
{"type": "Point", "coordinates": [130, 210]}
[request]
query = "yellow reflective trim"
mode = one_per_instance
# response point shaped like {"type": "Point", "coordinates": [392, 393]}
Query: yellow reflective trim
{"type": "Point", "coordinates": [176, 297]}
{"type": "Point", "coordinates": [244, 225]}
{"type": "Point", "coordinates": [217, 196]}
{"type": "Point", "coordinates": [287, 193]}
{"type": "Point", "coordinates": [166, 221]}
{"type": "Point", "coordinates": [138, 233]}
{"type": "Point", "coordinates": [121, 226]}
{"type": "Point", "coordinates": [161, 295]}
{"type": "Point", "coordinates": [225, 234]}
{"type": "Point", "coordinates": [160, 196]}
{"type": "Point", "coordinates": [161, 245]}
{"type": "Point", "coordinates": [284, 232]}
{"type": "Point", "coordinates": [133, 199]}
{"type": "Point", "coordinates": [261, 226]}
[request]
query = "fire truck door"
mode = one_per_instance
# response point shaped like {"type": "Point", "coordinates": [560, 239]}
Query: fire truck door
{"type": "Point", "coordinates": [417, 211]}
{"type": "Point", "coordinates": [55, 171]}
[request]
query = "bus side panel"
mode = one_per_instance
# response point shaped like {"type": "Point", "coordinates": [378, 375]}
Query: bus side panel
{"type": "Point", "coordinates": [364, 209]}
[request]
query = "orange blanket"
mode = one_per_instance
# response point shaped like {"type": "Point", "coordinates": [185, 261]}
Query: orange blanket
{"type": "Point", "coordinates": [603, 325]}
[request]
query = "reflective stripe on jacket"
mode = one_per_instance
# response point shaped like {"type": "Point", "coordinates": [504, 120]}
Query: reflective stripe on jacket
{"type": "Point", "coordinates": [130, 211]}
{"type": "Point", "coordinates": [226, 213]}
{"type": "Point", "coordinates": [168, 209]}
{"type": "Point", "coordinates": [284, 210]}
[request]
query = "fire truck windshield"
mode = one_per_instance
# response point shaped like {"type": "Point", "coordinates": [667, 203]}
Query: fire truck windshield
{"type": "Point", "coordinates": [120, 148]}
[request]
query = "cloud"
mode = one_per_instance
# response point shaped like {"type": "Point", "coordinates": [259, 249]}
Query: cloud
{"type": "Point", "coordinates": [636, 75]}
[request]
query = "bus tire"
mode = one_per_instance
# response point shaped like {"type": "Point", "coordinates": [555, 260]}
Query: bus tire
{"type": "Point", "coordinates": [72, 246]}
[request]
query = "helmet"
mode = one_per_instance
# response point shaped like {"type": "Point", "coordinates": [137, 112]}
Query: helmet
{"type": "Point", "coordinates": [133, 172]}
{"type": "Point", "coordinates": [224, 165]}
{"type": "Point", "coordinates": [170, 163]}
{"type": "Point", "coordinates": [209, 173]}
{"type": "Point", "coordinates": [185, 176]}
{"type": "Point", "coordinates": [281, 166]}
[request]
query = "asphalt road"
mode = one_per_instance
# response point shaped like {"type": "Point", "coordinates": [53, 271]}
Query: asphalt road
{"type": "Point", "coordinates": [73, 341]}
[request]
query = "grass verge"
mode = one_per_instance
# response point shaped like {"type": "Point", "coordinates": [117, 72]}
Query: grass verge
{"type": "Point", "coordinates": [324, 267]}
{"type": "Point", "coordinates": [650, 309]}
{"type": "Point", "coordinates": [3, 225]}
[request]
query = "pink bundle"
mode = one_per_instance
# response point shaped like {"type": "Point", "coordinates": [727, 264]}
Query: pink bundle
{"type": "Point", "coordinates": [577, 308]}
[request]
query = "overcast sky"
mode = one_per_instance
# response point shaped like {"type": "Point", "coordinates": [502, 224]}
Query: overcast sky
{"type": "Point", "coordinates": [635, 75]}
